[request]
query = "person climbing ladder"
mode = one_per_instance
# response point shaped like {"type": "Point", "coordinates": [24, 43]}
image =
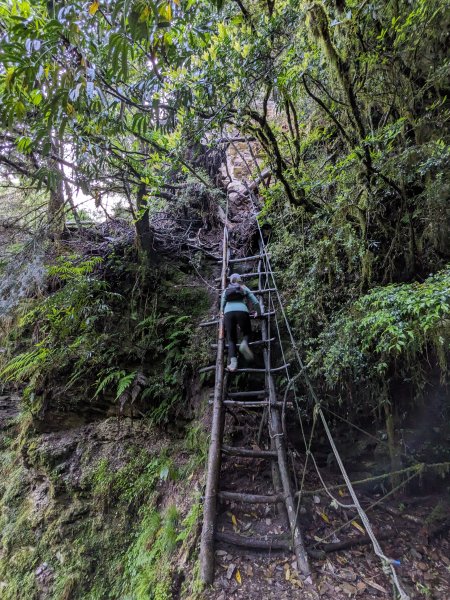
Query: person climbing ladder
{"type": "Point", "coordinates": [236, 314]}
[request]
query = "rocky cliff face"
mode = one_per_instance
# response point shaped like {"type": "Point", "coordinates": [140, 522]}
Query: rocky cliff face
{"type": "Point", "coordinates": [96, 499]}
{"type": "Point", "coordinates": [95, 510]}
{"type": "Point", "coordinates": [100, 475]}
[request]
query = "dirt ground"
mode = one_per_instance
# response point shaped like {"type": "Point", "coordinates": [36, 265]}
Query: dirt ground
{"type": "Point", "coordinates": [402, 523]}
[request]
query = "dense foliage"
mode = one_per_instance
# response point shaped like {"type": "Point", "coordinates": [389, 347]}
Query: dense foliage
{"type": "Point", "coordinates": [90, 536]}
{"type": "Point", "coordinates": [347, 105]}
{"type": "Point", "coordinates": [105, 334]}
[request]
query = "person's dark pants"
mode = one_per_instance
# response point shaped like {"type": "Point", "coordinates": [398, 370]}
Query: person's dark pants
{"type": "Point", "coordinates": [233, 320]}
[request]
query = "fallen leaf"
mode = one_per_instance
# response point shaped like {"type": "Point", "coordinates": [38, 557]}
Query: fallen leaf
{"type": "Point", "coordinates": [287, 573]}
{"type": "Point", "coordinates": [376, 586]}
{"type": "Point", "coordinates": [324, 517]}
{"type": "Point", "coordinates": [230, 571]}
{"type": "Point", "coordinates": [348, 574]}
{"type": "Point", "coordinates": [329, 566]}
{"type": "Point", "coordinates": [238, 577]}
{"type": "Point", "coordinates": [358, 527]}
{"type": "Point", "coordinates": [325, 588]}
{"type": "Point", "coordinates": [348, 588]}
{"type": "Point", "coordinates": [234, 520]}
{"type": "Point", "coordinates": [270, 570]}
{"type": "Point", "coordinates": [361, 586]}
{"type": "Point", "coordinates": [94, 7]}
{"type": "Point", "coordinates": [341, 493]}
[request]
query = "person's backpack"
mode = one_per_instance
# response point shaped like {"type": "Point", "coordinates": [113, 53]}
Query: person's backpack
{"type": "Point", "coordinates": [234, 292]}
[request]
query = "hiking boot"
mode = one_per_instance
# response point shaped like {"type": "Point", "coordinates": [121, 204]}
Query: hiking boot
{"type": "Point", "coordinates": [244, 349]}
{"type": "Point", "coordinates": [233, 364]}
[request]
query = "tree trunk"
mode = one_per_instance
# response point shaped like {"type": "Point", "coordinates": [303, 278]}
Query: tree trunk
{"type": "Point", "coordinates": [144, 233]}
{"type": "Point", "coordinates": [56, 219]}
{"type": "Point", "coordinates": [392, 443]}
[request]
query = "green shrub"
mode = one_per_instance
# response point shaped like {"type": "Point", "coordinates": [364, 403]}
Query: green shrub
{"type": "Point", "coordinates": [133, 344]}
{"type": "Point", "coordinates": [391, 326]}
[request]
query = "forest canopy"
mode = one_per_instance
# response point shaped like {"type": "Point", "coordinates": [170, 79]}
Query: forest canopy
{"type": "Point", "coordinates": [347, 102]}
{"type": "Point", "coordinates": [318, 130]}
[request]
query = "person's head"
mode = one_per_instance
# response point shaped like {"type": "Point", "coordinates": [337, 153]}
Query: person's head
{"type": "Point", "coordinates": [235, 278]}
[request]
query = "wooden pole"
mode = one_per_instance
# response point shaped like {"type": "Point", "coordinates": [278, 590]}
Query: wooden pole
{"type": "Point", "coordinates": [277, 436]}
{"type": "Point", "coordinates": [253, 543]}
{"type": "Point", "coordinates": [214, 456]}
{"type": "Point", "coordinates": [249, 452]}
{"type": "Point", "coordinates": [250, 498]}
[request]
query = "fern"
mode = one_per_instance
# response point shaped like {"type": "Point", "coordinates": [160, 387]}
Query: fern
{"type": "Point", "coordinates": [124, 384]}
{"type": "Point", "coordinates": [123, 379]}
{"type": "Point", "coordinates": [66, 270]}
{"type": "Point", "coordinates": [112, 376]}
{"type": "Point", "coordinates": [25, 364]}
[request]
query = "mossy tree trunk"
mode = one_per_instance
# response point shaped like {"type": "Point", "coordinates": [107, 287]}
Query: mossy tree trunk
{"type": "Point", "coordinates": [394, 452]}
{"type": "Point", "coordinates": [56, 218]}
{"type": "Point", "coordinates": [145, 237]}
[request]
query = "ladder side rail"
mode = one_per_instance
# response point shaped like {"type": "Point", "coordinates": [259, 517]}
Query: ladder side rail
{"type": "Point", "coordinates": [278, 438]}
{"type": "Point", "coordinates": [214, 454]}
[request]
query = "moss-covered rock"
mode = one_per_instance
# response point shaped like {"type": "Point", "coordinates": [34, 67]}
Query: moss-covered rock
{"type": "Point", "coordinates": [106, 510]}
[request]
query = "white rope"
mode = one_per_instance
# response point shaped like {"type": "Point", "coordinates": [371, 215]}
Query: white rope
{"type": "Point", "coordinates": [263, 269]}
{"type": "Point", "coordinates": [388, 563]}
{"type": "Point", "coordinates": [326, 490]}
{"type": "Point", "coordinates": [291, 381]}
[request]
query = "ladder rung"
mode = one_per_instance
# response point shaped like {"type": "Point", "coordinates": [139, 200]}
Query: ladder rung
{"type": "Point", "coordinates": [247, 275]}
{"type": "Point", "coordinates": [244, 259]}
{"type": "Point", "coordinates": [246, 394]}
{"type": "Point", "coordinates": [260, 342]}
{"type": "Point", "coordinates": [253, 394]}
{"type": "Point", "coordinates": [255, 343]}
{"type": "Point", "coordinates": [248, 452]}
{"type": "Point", "coordinates": [265, 315]}
{"type": "Point", "coordinates": [250, 498]}
{"type": "Point", "coordinates": [216, 321]}
{"type": "Point", "coordinates": [207, 369]}
{"type": "Point", "coordinates": [208, 323]}
{"type": "Point", "coordinates": [256, 543]}
{"type": "Point", "coordinates": [255, 404]}
{"type": "Point", "coordinates": [254, 274]}
{"type": "Point", "coordinates": [244, 404]}
{"type": "Point", "coordinates": [251, 370]}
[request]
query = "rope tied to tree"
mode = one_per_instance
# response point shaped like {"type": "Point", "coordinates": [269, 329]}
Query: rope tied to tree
{"type": "Point", "coordinates": [388, 564]}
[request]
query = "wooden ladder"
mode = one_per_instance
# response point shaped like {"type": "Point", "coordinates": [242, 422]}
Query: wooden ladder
{"type": "Point", "coordinates": [265, 400]}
